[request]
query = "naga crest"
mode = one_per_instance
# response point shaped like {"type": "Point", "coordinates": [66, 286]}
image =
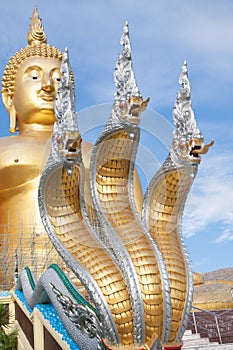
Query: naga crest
{"type": "Point", "coordinates": [128, 102]}
{"type": "Point", "coordinates": [188, 142]}
{"type": "Point", "coordinates": [66, 137]}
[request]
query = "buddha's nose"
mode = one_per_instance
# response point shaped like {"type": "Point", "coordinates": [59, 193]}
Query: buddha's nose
{"type": "Point", "coordinates": [47, 83]}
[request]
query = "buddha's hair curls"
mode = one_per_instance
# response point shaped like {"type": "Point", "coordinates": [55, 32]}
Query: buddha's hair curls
{"type": "Point", "coordinates": [37, 46]}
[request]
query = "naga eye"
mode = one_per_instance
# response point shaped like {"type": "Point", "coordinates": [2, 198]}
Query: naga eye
{"type": "Point", "coordinates": [181, 145]}
{"type": "Point", "coordinates": [34, 78]}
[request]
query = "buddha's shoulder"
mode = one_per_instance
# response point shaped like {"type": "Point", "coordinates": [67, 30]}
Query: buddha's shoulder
{"type": "Point", "coordinates": [9, 143]}
{"type": "Point", "coordinates": [86, 152]}
{"type": "Point", "coordinates": [15, 148]}
{"type": "Point", "coordinates": [11, 140]}
{"type": "Point", "coordinates": [21, 141]}
{"type": "Point", "coordinates": [87, 146]}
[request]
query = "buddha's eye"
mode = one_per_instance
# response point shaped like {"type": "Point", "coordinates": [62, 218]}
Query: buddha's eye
{"type": "Point", "coordinates": [56, 77]}
{"type": "Point", "coordinates": [33, 73]}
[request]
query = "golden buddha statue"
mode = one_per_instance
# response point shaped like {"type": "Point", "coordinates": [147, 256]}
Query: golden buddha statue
{"type": "Point", "coordinates": [29, 86]}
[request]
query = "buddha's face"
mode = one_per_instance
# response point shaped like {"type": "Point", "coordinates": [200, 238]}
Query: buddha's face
{"type": "Point", "coordinates": [36, 85]}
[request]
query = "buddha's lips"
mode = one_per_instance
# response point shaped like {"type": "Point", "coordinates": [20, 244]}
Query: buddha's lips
{"type": "Point", "coordinates": [48, 97]}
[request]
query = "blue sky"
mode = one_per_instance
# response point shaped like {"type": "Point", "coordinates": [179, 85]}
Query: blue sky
{"type": "Point", "coordinates": [163, 34]}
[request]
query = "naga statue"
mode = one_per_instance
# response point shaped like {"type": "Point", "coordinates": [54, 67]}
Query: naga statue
{"type": "Point", "coordinates": [133, 287]}
{"type": "Point", "coordinates": [164, 203]}
{"type": "Point", "coordinates": [118, 276]}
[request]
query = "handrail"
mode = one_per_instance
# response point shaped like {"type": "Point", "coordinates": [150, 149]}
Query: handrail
{"type": "Point", "coordinates": [207, 311]}
{"type": "Point", "coordinates": [202, 327]}
{"type": "Point", "coordinates": [215, 315]}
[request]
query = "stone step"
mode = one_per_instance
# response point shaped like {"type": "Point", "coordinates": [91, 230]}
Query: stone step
{"type": "Point", "coordinates": [194, 341]}
{"type": "Point", "coordinates": [211, 346]}
{"type": "Point", "coordinates": [187, 337]}
{"type": "Point", "coordinates": [198, 341]}
{"type": "Point", "coordinates": [187, 332]}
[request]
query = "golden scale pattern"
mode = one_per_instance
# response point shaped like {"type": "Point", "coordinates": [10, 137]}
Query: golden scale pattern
{"type": "Point", "coordinates": [166, 202]}
{"type": "Point", "coordinates": [112, 186]}
{"type": "Point", "coordinates": [65, 215]}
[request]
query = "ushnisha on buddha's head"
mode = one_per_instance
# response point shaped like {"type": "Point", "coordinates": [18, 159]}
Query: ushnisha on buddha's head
{"type": "Point", "coordinates": [31, 79]}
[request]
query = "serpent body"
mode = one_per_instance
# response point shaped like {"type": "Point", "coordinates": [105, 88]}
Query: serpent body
{"type": "Point", "coordinates": [65, 215]}
{"type": "Point", "coordinates": [164, 203]}
{"type": "Point", "coordinates": [114, 157]}
{"type": "Point", "coordinates": [163, 209]}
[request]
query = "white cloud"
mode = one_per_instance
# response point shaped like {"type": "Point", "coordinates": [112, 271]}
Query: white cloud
{"type": "Point", "coordinates": [226, 235]}
{"type": "Point", "coordinates": [211, 198]}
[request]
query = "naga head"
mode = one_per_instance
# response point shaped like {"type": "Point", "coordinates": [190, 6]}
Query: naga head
{"type": "Point", "coordinates": [66, 136]}
{"type": "Point", "coordinates": [188, 142]}
{"type": "Point", "coordinates": [128, 103]}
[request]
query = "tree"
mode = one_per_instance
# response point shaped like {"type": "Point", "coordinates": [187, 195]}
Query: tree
{"type": "Point", "coordinates": [8, 341]}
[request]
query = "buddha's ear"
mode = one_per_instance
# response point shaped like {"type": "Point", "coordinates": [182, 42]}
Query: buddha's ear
{"type": "Point", "coordinates": [9, 105]}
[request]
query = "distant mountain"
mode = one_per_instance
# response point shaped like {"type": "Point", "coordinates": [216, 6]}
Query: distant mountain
{"type": "Point", "coordinates": [214, 290]}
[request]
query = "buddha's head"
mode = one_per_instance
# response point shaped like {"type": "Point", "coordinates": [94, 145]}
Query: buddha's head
{"type": "Point", "coordinates": [30, 80]}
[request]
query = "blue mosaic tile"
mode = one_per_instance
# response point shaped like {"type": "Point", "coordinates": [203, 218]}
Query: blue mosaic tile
{"type": "Point", "coordinates": [5, 294]}
{"type": "Point", "coordinates": [50, 315]}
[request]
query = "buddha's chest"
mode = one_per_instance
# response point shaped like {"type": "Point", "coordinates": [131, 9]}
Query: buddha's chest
{"type": "Point", "coordinates": [22, 165]}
